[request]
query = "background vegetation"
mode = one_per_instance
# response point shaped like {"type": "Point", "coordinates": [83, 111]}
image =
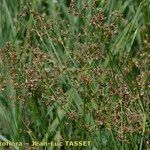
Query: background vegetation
{"type": "Point", "coordinates": [75, 70]}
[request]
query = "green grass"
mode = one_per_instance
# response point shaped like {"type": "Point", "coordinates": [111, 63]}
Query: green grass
{"type": "Point", "coordinates": [75, 71]}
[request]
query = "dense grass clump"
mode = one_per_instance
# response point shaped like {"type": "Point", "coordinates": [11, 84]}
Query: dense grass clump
{"type": "Point", "coordinates": [75, 70]}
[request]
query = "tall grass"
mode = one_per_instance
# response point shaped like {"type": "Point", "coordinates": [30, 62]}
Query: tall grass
{"type": "Point", "coordinates": [75, 70]}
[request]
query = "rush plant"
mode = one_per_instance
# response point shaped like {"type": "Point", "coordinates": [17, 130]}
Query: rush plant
{"type": "Point", "coordinates": [75, 70]}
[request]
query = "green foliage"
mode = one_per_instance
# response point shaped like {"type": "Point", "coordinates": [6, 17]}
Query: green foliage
{"type": "Point", "coordinates": [75, 70]}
